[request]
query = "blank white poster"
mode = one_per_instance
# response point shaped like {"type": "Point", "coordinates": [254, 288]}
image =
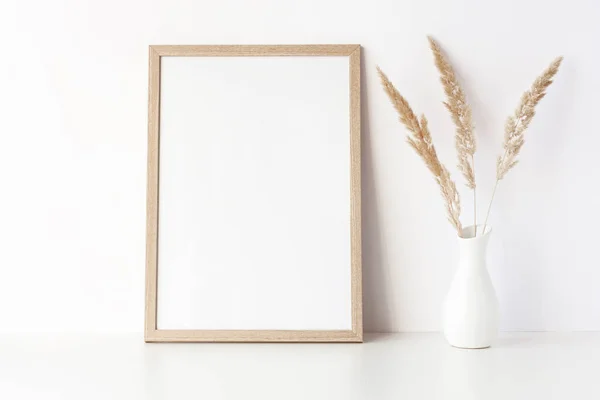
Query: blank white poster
{"type": "Point", "coordinates": [254, 194]}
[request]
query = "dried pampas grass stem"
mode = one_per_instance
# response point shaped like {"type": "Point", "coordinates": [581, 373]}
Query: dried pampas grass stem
{"type": "Point", "coordinates": [420, 140]}
{"type": "Point", "coordinates": [514, 129]}
{"type": "Point", "coordinates": [460, 111]}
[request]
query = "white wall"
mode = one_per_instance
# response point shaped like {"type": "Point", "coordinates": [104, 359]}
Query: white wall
{"type": "Point", "coordinates": [73, 87]}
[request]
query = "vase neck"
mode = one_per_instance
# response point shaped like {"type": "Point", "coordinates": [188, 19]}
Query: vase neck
{"type": "Point", "coordinates": [473, 251]}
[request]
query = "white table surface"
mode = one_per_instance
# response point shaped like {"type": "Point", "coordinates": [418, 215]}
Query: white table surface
{"type": "Point", "coordinates": [400, 366]}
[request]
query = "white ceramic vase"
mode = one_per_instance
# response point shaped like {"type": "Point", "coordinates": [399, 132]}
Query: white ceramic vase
{"type": "Point", "coordinates": [471, 308]}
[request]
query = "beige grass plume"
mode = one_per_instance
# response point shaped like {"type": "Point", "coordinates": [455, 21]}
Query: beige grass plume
{"type": "Point", "coordinates": [514, 129]}
{"type": "Point", "coordinates": [420, 140]}
{"type": "Point", "coordinates": [460, 111]}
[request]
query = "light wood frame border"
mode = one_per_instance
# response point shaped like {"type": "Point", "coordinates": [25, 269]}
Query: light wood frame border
{"type": "Point", "coordinates": [152, 334]}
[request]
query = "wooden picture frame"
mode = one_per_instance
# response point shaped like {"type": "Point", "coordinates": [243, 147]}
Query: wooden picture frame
{"type": "Point", "coordinates": [152, 333]}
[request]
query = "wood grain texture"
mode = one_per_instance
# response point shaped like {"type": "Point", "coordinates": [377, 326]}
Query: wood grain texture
{"type": "Point", "coordinates": [152, 191]}
{"type": "Point", "coordinates": [253, 336]}
{"type": "Point", "coordinates": [255, 50]}
{"type": "Point", "coordinates": [355, 193]}
{"type": "Point", "coordinates": [152, 334]}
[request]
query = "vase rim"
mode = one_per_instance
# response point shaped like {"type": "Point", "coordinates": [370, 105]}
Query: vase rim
{"type": "Point", "coordinates": [470, 230]}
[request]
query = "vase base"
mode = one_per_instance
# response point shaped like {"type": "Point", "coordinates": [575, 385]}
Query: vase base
{"type": "Point", "coordinates": [470, 348]}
